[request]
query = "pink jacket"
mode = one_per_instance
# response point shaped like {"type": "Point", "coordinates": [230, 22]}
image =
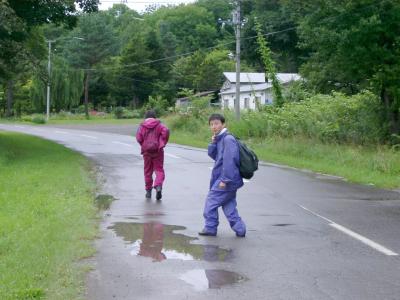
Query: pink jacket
{"type": "Point", "coordinates": [162, 130]}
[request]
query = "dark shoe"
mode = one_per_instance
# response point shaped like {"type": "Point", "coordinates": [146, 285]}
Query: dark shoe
{"type": "Point", "coordinates": [158, 194]}
{"type": "Point", "coordinates": [148, 194]}
{"type": "Point", "coordinates": [205, 233]}
{"type": "Point", "coordinates": [241, 235]}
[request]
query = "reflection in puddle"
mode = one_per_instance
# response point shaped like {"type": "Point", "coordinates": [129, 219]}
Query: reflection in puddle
{"type": "Point", "coordinates": [210, 279]}
{"type": "Point", "coordinates": [159, 242]}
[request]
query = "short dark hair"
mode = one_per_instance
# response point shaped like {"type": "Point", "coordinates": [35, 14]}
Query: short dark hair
{"type": "Point", "coordinates": [150, 114]}
{"type": "Point", "coordinates": [216, 117]}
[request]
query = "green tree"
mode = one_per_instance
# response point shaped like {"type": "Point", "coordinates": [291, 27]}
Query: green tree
{"type": "Point", "coordinates": [210, 72]}
{"type": "Point", "coordinates": [269, 65]}
{"type": "Point", "coordinates": [97, 45]}
{"type": "Point", "coordinates": [353, 44]}
{"type": "Point", "coordinates": [21, 43]}
{"type": "Point", "coordinates": [191, 26]}
{"type": "Point", "coordinates": [272, 17]}
{"type": "Point", "coordinates": [134, 77]}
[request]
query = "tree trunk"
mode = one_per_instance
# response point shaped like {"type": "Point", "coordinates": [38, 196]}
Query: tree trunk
{"type": "Point", "coordinates": [392, 113]}
{"type": "Point", "coordinates": [10, 97]}
{"type": "Point", "coordinates": [87, 94]}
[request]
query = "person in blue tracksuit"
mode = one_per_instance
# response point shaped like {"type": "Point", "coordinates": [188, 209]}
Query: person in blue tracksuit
{"type": "Point", "coordinates": [225, 179]}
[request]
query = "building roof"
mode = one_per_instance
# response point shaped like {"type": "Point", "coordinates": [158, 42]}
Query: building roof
{"type": "Point", "coordinates": [260, 87]}
{"type": "Point", "coordinates": [283, 78]}
{"type": "Point", "coordinates": [246, 77]}
{"type": "Point", "coordinates": [260, 77]}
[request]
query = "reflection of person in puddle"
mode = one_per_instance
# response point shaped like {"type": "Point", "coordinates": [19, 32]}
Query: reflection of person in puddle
{"type": "Point", "coordinates": [152, 242]}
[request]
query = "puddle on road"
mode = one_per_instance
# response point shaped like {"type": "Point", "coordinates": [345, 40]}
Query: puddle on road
{"type": "Point", "coordinates": [160, 242]}
{"type": "Point", "coordinates": [103, 201]}
{"type": "Point", "coordinates": [202, 280]}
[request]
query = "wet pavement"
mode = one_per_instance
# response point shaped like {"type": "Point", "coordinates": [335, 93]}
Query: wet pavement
{"type": "Point", "coordinates": [310, 236]}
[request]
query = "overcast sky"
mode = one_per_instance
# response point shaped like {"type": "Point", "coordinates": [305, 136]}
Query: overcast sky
{"type": "Point", "coordinates": [139, 5]}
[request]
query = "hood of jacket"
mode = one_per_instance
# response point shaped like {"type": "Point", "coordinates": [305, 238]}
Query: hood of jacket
{"type": "Point", "coordinates": [150, 123]}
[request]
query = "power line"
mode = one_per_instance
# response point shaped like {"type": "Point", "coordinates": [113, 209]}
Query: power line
{"type": "Point", "coordinates": [185, 54]}
{"type": "Point", "coordinates": [232, 42]}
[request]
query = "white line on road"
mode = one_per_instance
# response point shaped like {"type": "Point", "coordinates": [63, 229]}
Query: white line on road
{"type": "Point", "coordinates": [17, 126]}
{"type": "Point", "coordinates": [119, 143]}
{"type": "Point", "coordinates": [171, 155]}
{"type": "Point", "coordinates": [355, 235]}
{"type": "Point", "coordinates": [89, 136]}
{"type": "Point", "coordinates": [62, 132]}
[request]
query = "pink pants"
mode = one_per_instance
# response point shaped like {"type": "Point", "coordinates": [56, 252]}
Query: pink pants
{"type": "Point", "coordinates": [154, 165]}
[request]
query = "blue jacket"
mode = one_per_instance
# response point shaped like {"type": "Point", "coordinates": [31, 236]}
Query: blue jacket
{"type": "Point", "coordinates": [225, 152]}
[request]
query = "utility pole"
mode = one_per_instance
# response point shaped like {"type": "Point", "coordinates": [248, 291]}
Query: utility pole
{"type": "Point", "coordinates": [49, 74]}
{"type": "Point", "coordinates": [48, 83]}
{"type": "Point", "coordinates": [238, 23]}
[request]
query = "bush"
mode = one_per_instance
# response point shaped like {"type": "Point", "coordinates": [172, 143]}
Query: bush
{"type": "Point", "coordinates": [119, 112]}
{"type": "Point", "coordinates": [329, 118]}
{"type": "Point", "coordinates": [296, 91]}
{"type": "Point", "coordinates": [124, 113]}
{"type": "Point", "coordinates": [158, 104]}
{"type": "Point", "coordinates": [38, 119]}
{"type": "Point", "coordinates": [333, 118]}
{"type": "Point", "coordinates": [186, 122]}
{"type": "Point", "coordinates": [81, 108]}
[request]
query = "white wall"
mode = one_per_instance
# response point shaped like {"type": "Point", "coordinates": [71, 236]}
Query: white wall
{"type": "Point", "coordinates": [229, 98]}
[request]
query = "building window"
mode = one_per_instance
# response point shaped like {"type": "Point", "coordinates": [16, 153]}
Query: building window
{"type": "Point", "coordinates": [226, 103]}
{"type": "Point", "coordinates": [246, 103]}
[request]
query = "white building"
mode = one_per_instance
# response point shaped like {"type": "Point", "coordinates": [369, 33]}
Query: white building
{"type": "Point", "coordinates": [253, 87]}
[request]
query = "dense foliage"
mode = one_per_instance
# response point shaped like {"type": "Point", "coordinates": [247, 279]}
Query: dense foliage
{"type": "Point", "coordinates": [122, 58]}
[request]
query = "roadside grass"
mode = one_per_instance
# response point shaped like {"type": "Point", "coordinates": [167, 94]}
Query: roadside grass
{"type": "Point", "coordinates": [186, 138]}
{"type": "Point", "coordinates": [377, 165]}
{"type": "Point", "coordinates": [95, 121]}
{"type": "Point", "coordinates": [47, 219]}
{"type": "Point", "coordinates": [78, 121]}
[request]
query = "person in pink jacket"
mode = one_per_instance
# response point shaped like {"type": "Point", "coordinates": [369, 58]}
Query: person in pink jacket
{"type": "Point", "coordinates": [153, 136]}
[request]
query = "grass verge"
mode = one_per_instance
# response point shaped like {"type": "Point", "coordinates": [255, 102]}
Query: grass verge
{"type": "Point", "coordinates": [47, 219]}
{"type": "Point", "coordinates": [96, 121]}
{"type": "Point", "coordinates": [93, 121]}
{"type": "Point", "coordinates": [377, 165]}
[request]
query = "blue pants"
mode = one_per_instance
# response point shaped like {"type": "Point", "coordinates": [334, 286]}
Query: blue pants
{"type": "Point", "coordinates": [226, 200]}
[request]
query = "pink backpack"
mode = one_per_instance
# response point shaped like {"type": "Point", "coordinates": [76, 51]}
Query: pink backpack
{"type": "Point", "coordinates": [150, 141]}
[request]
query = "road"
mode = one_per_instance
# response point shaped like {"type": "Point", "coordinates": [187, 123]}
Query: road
{"type": "Point", "coordinates": [310, 236]}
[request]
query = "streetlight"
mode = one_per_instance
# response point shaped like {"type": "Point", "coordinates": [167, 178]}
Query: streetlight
{"type": "Point", "coordinates": [49, 74]}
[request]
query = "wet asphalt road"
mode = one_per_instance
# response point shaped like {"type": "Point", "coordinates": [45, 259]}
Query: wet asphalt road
{"type": "Point", "coordinates": [309, 236]}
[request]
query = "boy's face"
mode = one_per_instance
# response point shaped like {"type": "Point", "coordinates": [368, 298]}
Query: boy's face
{"type": "Point", "coordinates": [216, 126]}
